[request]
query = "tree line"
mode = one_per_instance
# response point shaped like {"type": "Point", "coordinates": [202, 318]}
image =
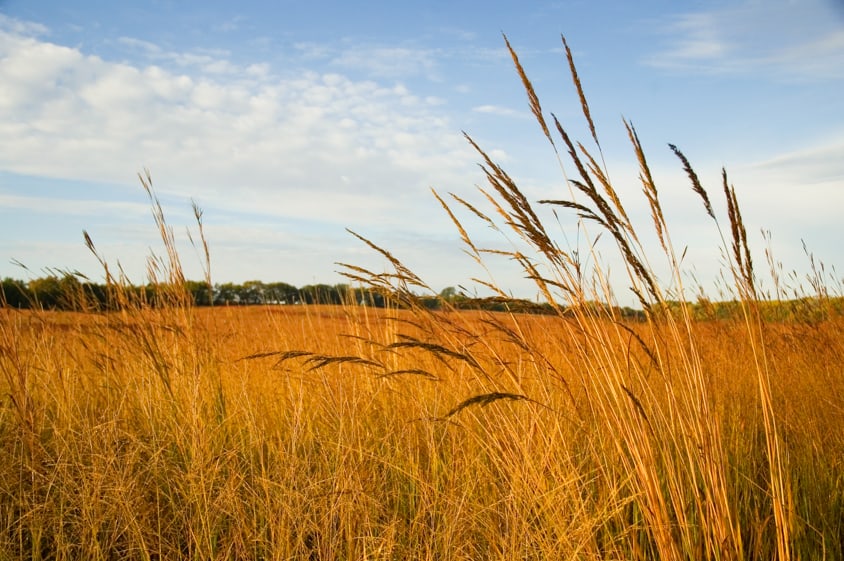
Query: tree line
{"type": "Point", "coordinates": [77, 293]}
{"type": "Point", "coordinates": [70, 292]}
{"type": "Point", "coordinates": [74, 292]}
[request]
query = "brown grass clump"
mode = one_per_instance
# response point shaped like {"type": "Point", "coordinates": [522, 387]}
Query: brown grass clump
{"type": "Point", "coordinates": [163, 431]}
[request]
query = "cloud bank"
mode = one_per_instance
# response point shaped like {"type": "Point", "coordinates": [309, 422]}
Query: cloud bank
{"type": "Point", "coordinates": [313, 145]}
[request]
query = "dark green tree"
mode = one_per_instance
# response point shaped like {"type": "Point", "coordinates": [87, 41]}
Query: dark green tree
{"type": "Point", "coordinates": [281, 293]}
{"type": "Point", "coordinates": [200, 292]}
{"type": "Point", "coordinates": [15, 294]}
{"type": "Point", "coordinates": [46, 292]}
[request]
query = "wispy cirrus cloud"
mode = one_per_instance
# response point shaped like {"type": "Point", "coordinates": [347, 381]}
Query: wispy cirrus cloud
{"type": "Point", "coordinates": [375, 61]}
{"type": "Point", "coordinates": [20, 27]}
{"type": "Point", "coordinates": [820, 58]}
{"type": "Point", "coordinates": [814, 165]}
{"type": "Point", "coordinates": [697, 37]}
{"type": "Point", "coordinates": [402, 61]}
{"type": "Point", "coordinates": [208, 61]}
{"type": "Point", "coordinates": [735, 40]}
{"type": "Point", "coordinates": [389, 61]}
{"type": "Point", "coordinates": [68, 206]}
{"type": "Point", "coordinates": [499, 110]}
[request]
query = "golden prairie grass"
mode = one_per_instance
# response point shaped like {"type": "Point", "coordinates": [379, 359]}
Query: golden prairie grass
{"type": "Point", "coordinates": [163, 431]}
{"type": "Point", "coordinates": [251, 448]}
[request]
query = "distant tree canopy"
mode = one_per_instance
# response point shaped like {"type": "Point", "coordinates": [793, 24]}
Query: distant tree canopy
{"type": "Point", "coordinates": [14, 294]}
{"type": "Point", "coordinates": [68, 292]}
{"type": "Point", "coordinates": [71, 292]}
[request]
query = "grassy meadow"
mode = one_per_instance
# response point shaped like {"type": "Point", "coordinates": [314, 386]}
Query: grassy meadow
{"type": "Point", "coordinates": [214, 434]}
{"type": "Point", "coordinates": [161, 430]}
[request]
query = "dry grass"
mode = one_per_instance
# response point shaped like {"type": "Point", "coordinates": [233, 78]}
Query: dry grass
{"type": "Point", "coordinates": [491, 436]}
{"type": "Point", "coordinates": [169, 432]}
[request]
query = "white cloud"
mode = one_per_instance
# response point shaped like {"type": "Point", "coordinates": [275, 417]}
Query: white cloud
{"type": "Point", "coordinates": [779, 39]}
{"type": "Point", "coordinates": [207, 61]}
{"type": "Point", "coordinates": [76, 207]}
{"type": "Point", "coordinates": [376, 61]}
{"type": "Point", "coordinates": [801, 188]}
{"type": "Point", "coordinates": [235, 137]}
{"type": "Point", "coordinates": [149, 48]}
{"type": "Point", "coordinates": [311, 50]}
{"type": "Point", "coordinates": [498, 110]}
{"type": "Point", "coordinates": [19, 27]}
{"type": "Point", "coordinates": [698, 38]}
{"type": "Point", "coordinates": [388, 62]}
{"type": "Point", "coordinates": [820, 58]}
{"type": "Point", "coordinates": [815, 164]}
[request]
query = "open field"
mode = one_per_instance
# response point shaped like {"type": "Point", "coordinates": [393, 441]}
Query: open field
{"type": "Point", "coordinates": [211, 433]}
{"type": "Point", "coordinates": [148, 428]}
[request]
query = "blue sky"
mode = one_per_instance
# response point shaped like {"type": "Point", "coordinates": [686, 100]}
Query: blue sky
{"type": "Point", "coordinates": [288, 122]}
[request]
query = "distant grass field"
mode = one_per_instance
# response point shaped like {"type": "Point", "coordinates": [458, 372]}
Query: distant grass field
{"type": "Point", "coordinates": [152, 435]}
{"type": "Point", "coordinates": [166, 431]}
